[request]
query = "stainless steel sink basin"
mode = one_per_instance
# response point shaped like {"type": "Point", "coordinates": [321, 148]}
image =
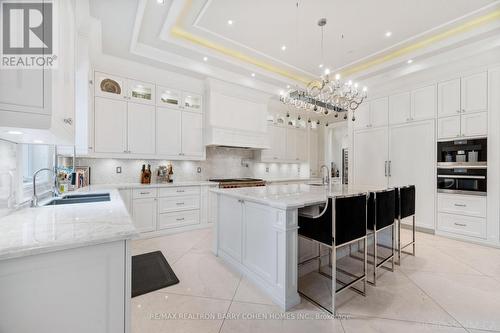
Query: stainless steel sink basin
{"type": "Point", "coordinates": [79, 198]}
{"type": "Point", "coordinates": [316, 184]}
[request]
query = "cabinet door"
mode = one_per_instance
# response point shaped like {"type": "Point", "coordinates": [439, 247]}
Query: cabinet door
{"type": "Point", "coordinates": [379, 112]}
{"type": "Point", "coordinates": [313, 152]}
{"type": "Point", "coordinates": [230, 219]}
{"type": "Point", "coordinates": [144, 214]}
{"type": "Point", "coordinates": [449, 127]}
{"type": "Point", "coordinates": [449, 98]}
{"type": "Point", "coordinates": [423, 103]}
{"type": "Point", "coordinates": [141, 128]}
{"type": "Point", "coordinates": [273, 151]}
{"type": "Point", "coordinates": [302, 151]}
{"type": "Point", "coordinates": [168, 132]}
{"type": "Point", "coordinates": [141, 92]}
{"type": "Point", "coordinates": [370, 157]}
{"type": "Point", "coordinates": [475, 124]}
{"type": "Point", "coordinates": [192, 134]}
{"type": "Point", "coordinates": [25, 90]}
{"type": "Point", "coordinates": [411, 152]}
{"type": "Point", "coordinates": [291, 144]}
{"type": "Point", "coordinates": [192, 102]}
{"type": "Point", "coordinates": [110, 86]}
{"type": "Point", "coordinates": [279, 142]}
{"type": "Point", "coordinates": [362, 115]}
{"type": "Point", "coordinates": [110, 125]}
{"type": "Point", "coordinates": [168, 97]}
{"type": "Point", "coordinates": [399, 108]}
{"type": "Point", "coordinates": [475, 93]}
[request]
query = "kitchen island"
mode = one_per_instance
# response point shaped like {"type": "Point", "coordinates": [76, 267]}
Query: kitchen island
{"type": "Point", "coordinates": [66, 267]}
{"type": "Point", "coordinates": [256, 232]}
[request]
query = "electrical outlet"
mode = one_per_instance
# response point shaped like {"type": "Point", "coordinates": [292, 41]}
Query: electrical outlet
{"type": "Point", "coordinates": [118, 169]}
{"type": "Point", "coordinates": [198, 170]}
{"type": "Point", "coordinates": [267, 169]}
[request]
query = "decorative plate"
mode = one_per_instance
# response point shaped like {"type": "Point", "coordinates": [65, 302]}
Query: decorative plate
{"type": "Point", "coordinates": [110, 86]}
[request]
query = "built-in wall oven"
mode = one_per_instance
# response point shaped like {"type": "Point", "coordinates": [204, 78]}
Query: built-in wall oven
{"type": "Point", "coordinates": [462, 166]}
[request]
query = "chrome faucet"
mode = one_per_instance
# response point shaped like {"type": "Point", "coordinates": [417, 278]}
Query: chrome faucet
{"type": "Point", "coordinates": [326, 178]}
{"type": "Point", "coordinates": [55, 192]}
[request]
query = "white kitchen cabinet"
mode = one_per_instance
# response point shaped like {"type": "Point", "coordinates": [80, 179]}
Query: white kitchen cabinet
{"type": "Point", "coordinates": [141, 92]}
{"type": "Point", "coordinates": [192, 135]}
{"type": "Point", "coordinates": [110, 86]}
{"type": "Point", "coordinates": [412, 162]}
{"type": "Point", "coordinates": [141, 122]}
{"type": "Point", "coordinates": [379, 112]}
{"type": "Point", "coordinates": [371, 156]}
{"type": "Point", "coordinates": [474, 124]}
{"type": "Point", "coordinates": [474, 93]}
{"type": "Point", "coordinates": [178, 219]}
{"type": "Point", "coordinates": [399, 108]}
{"type": "Point", "coordinates": [110, 125]}
{"type": "Point", "coordinates": [449, 127]}
{"type": "Point", "coordinates": [302, 145]}
{"type": "Point", "coordinates": [192, 102]}
{"type": "Point", "coordinates": [423, 103]}
{"type": "Point", "coordinates": [277, 144]}
{"type": "Point", "coordinates": [449, 98]}
{"type": "Point", "coordinates": [167, 97]}
{"type": "Point", "coordinates": [168, 131]}
{"type": "Point", "coordinates": [462, 225]}
{"type": "Point", "coordinates": [230, 225]}
{"type": "Point", "coordinates": [144, 214]}
{"type": "Point", "coordinates": [313, 152]}
{"type": "Point", "coordinates": [464, 95]}
{"type": "Point", "coordinates": [25, 91]}
{"type": "Point", "coordinates": [362, 115]}
{"type": "Point", "coordinates": [291, 144]}
{"type": "Point", "coordinates": [469, 205]}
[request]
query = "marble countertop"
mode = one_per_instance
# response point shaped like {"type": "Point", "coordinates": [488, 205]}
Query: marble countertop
{"type": "Point", "coordinates": [279, 180]}
{"type": "Point", "coordinates": [292, 196]}
{"type": "Point", "coordinates": [120, 186]}
{"type": "Point", "coordinates": [52, 228]}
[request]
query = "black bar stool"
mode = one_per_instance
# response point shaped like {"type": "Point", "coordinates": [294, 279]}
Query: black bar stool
{"type": "Point", "coordinates": [342, 223]}
{"type": "Point", "coordinates": [405, 207]}
{"type": "Point", "coordinates": [381, 216]}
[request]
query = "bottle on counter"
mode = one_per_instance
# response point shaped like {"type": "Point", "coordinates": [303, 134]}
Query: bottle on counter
{"type": "Point", "coordinates": [146, 174]}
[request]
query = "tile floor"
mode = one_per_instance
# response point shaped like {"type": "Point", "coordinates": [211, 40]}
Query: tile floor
{"type": "Point", "coordinates": [450, 286]}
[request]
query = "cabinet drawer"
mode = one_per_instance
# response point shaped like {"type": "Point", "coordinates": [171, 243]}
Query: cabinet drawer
{"type": "Point", "coordinates": [140, 193]}
{"type": "Point", "coordinates": [462, 204]}
{"type": "Point", "coordinates": [176, 219]}
{"type": "Point", "coordinates": [178, 203]}
{"type": "Point", "coordinates": [462, 225]}
{"type": "Point", "coordinates": [180, 190]}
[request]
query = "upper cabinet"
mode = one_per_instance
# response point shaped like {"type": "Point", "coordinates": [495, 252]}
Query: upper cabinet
{"type": "Point", "coordinates": [419, 104]}
{"type": "Point", "coordinates": [372, 114]}
{"type": "Point", "coordinates": [463, 95]}
{"type": "Point", "coordinates": [134, 118]}
{"type": "Point", "coordinates": [463, 106]}
{"type": "Point", "coordinates": [286, 144]}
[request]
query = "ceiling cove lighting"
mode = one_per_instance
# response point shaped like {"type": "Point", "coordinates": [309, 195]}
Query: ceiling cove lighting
{"type": "Point", "coordinates": [326, 94]}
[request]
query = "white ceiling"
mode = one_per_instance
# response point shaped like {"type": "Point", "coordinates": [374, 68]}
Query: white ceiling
{"type": "Point", "coordinates": [140, 30]}
{"type": "Point", "coordinates": [263, 26]}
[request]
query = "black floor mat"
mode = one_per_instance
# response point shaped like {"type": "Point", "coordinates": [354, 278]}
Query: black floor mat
{"type": "Point", "coordinates": [150, 272]}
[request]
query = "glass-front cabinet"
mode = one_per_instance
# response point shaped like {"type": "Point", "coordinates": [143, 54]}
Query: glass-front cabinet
{"type": "Point", "coordinates": [192, 102]}
{"type": "Point", "coordinates": [169, 98]}
{"type": "Point", "coordinates": [141, 92]}
{"type": "Point", "coordinates": [110, 86]}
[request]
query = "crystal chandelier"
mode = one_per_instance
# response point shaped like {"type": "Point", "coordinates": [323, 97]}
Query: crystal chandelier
{"type": "Point", "coordinates": [328, 94]}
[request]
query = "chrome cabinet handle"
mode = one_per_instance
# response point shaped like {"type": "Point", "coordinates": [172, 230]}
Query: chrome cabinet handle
{"type": "Point", "coordinates": [240, 201]}
{"type": "Point", "coordinates": [460, 224]}
{"type": "Point", "coordinates": [180, 219]}
{"type": "Point", "coordinates": [68, 121]}
{"type": "Point", "coordinates": [180, 203]}
{"type": "Point", "coordinates": [180, 191]}
{"type": "Point", "coordinates": [460, 205]}
{"type": "Point", "coordinates": [389, 169]}
{"type": "Point", "coordinates": [144, 192]}
{"type": "Point", "coordinates": [385, 168]}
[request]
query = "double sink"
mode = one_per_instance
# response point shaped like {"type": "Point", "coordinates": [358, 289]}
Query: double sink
{"type": "Point", "coordinates": [78, 198]}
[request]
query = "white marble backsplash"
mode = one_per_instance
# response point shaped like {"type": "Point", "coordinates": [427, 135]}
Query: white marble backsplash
{"type": "Point", "coordinates": [221, 162]}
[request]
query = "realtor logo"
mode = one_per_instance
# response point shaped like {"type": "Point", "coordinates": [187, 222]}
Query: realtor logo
{"type": "Point", "coordinates": [27, 34]}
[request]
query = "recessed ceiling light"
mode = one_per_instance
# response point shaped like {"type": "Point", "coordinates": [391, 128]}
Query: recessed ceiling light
{"type": "Point", "coordinates": [388, 34]}
{"type": "Point", "coordinates": [15, 132]}
{"type": "Point", "coordinates": [320, 65]}
{"type": "Point", "coordinates": [230, 22]}
{"type": "Point", "coordinates": [283, 47]}
{"type": "Point", "coordinates": [253, 74]}
{"type": "Point", "coordinates": [409, 61]}
{"type": "Point", "coordinates": [37, 141]}
{"type": "Point", "coordinates": [160, 2]}
{"type": "Point", "coordinates": [205, 58]}
{"type": "Point", "coordinates": [288, 86]}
